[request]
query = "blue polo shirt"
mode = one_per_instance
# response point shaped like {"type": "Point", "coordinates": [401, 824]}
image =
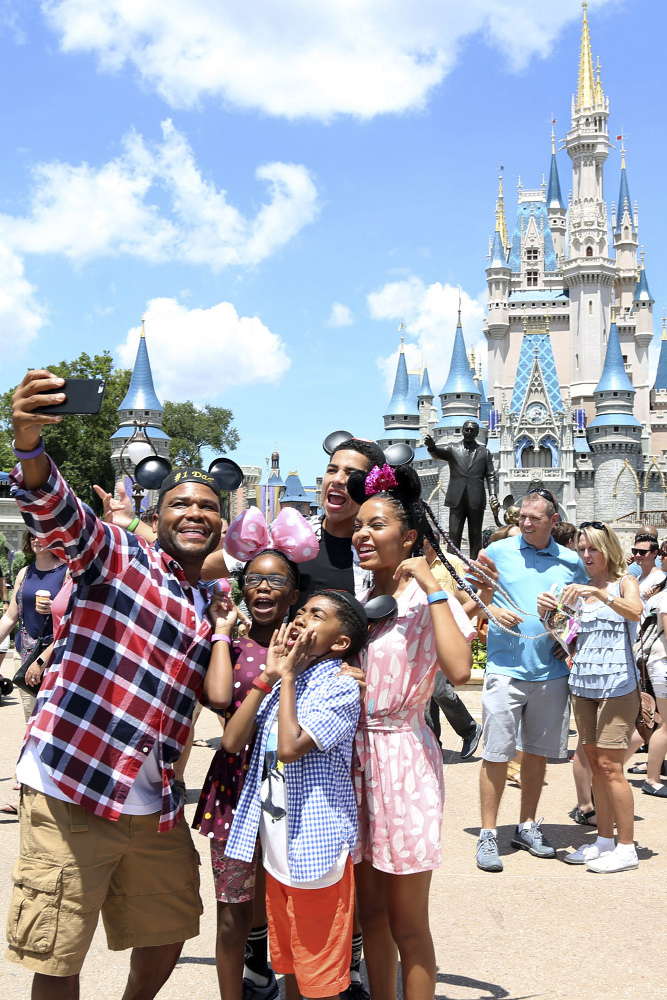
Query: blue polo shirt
{"type": "Point", "coordinates": [526, 572]}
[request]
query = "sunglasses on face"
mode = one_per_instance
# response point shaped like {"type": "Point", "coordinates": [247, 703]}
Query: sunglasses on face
{"type": "Point", "coordinates": [642, 552]}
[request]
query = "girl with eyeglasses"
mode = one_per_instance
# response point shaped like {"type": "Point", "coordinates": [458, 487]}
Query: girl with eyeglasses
{"type": "Point", "coordinates": [604, 687]}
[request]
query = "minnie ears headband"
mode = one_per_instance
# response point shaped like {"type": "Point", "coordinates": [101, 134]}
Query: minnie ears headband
{"type": "Point", "coordinates": [155, 473]}
{"type": "Point", "coordinates": [290, 534]}
{"type": "Point", "coordinates": [395, 454]}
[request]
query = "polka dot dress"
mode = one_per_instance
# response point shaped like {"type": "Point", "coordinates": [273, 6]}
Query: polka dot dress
{"type": "Point", "coordinates": [224, 781]}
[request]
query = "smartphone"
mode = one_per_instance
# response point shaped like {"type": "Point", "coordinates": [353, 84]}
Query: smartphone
{"type": "Point", "coordinates": [83, 395]}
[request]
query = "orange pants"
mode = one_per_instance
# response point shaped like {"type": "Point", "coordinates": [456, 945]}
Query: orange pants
{"type": "Point", "coordinates": [310, 931]}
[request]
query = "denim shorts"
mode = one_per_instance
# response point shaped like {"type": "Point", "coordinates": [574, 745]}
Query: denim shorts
{"type": "Point", "coordinates": [538, 706]}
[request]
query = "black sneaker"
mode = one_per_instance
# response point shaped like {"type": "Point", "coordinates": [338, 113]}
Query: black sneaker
{"type": "Point", "coordinates": [471, 743]}
{"type": "Point", "coordinates": [251, 991]}
{"type": "Point", "coordinates": [355, 991]}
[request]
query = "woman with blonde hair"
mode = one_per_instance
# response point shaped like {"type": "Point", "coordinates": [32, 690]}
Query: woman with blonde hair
{"type": "Point", "coordinates": [604, 687]}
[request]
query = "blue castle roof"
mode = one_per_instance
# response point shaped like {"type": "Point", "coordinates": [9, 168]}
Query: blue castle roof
{"type": "Point", "coordinates": [460, 377]}
{"type": "Point", "coordinates": [614, 377]}
{"type": "Point", "coordinates": [524, 212]}
{"type": "Point", "coordinates": [414, 389]}
{"type": "Point", "coordinates": [294, 491]}
{"type": "Point", "coordinates": [403, 398]}
{"type": "Point", "coordinates": [661, 374]}
{"type": "Point", "coordinates": [554, 197]}
{"type": "Point", "coordinates": [545, 356]}
{"type": "Point", "coordinates": [425, 385]}
{"type": "Point", "coordinates": [624, 203]}
{"type": "Point", "coordinates": [498, 258]}
{"type": "Point", "coordinates": [141, 393]}
{"type": "Point", "coordinates": [642, 291]}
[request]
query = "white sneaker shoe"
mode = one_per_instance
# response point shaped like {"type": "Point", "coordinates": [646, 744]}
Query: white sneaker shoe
{"type": "Point", "coordinates": [586, 853]}
{"type": "Point", "coordinates": [612, 861]}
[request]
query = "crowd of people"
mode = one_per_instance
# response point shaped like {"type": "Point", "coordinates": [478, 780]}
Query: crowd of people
{"type": "Point", "coordinates": [323, 805]}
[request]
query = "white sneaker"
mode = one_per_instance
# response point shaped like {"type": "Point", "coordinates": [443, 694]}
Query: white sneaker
{"type": "Point", "coordinates": [612, 861]}
{"type": "Point", "coordinates": [586, 853]}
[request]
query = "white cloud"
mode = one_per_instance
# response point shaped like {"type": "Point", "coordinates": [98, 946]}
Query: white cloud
{"type": "Point", "coordinates": [198, 354]}
{"type": "Point", "coordinates": [429, 314]}
{"type": "Point", "coordinates": [299, 58]}
{"type": "Point", "coordinates": [85, 212]}
{"type": "Point", "coordinates": [21, 315]}
{"type": "Point", "coordinates": [340, 315]}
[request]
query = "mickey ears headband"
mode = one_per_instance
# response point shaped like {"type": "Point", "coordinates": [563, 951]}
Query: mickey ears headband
{"type": "Point", "coordinates": [395, 454]}
{"type": "Point", "coordinates": [151, 472]}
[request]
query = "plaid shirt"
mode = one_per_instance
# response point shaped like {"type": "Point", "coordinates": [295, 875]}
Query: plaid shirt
{"type": "Point", "coordinates": [321, 809]}
{"type": "Point", "coordinates": [129, 662]}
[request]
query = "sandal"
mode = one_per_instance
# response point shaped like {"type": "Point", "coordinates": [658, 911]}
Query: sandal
{"type": "Point", "coordinates": [583, 818]}
{"type": "Point", "coordinates": [9, 809]}
{"type": "Point", "coordinates": [200, 743]}
{"type": "Point", "coordinates": [514, 773]}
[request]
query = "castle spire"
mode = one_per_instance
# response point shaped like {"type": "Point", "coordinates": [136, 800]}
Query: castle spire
{"type": "Point", "coordinates": [501, 224]}
{"type": "Point", "coordinates": [554, 196]}
{"type": "Point", "coordinates": [586, 83]}
{"type": "Point", "coordinates": [141, 393]}
{"type": "Point", "coordinates": [400, 401]}
{"type": "Point", "coordinates": [661, 374]}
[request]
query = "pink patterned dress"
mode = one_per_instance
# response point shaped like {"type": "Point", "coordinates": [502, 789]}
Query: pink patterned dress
{"type": "Point", "coordinates": [398, 777]}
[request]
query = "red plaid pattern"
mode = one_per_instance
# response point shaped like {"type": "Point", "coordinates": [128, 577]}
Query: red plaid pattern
{"type": "Point", "coordinates": [129, 662]}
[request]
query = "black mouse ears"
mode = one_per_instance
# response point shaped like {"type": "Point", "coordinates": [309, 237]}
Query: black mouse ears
{"type": "Point", "coordinates": [395, 454]}
{"type": "Point", "coordinates": [151, 472]}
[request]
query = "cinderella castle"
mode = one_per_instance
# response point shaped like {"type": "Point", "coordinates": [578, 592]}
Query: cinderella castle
{"type": "Point", "coordinates": [571, 401]}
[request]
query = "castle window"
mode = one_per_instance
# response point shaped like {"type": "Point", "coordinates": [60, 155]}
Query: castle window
{"type": "Point", "coordinates": [531, 253]}
{"type": "Point", "coordinates": [626, 232]}
{"type": "Point", "coordinates": [541, 459]}
{"type": "Point", "coordinates": [589, 251]}
{"type": "Point", "coordinates": [531, 279]}
{"type": "Point", "coordinates": [614, 394]}
{"type": "Point", "coordinates": [576, 360]}
{"type": "Point", "coordinates": [458, 395]}
{"type": "Point", "coordinates": [616, 430]}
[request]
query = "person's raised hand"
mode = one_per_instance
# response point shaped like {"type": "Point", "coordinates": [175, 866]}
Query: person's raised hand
{"type": "Point", "coordinates": [116, 511]}
{"type": "Point", "coordinates": [357, 674]}
{"type": "Point", "coordinates": [26, 399]}
{"type": "Point", "coordinates": [223, 614]}
{"type": "Point", "coordinates": [417, 568]}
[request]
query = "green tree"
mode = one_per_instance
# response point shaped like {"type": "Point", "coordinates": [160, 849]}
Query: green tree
{"type": "Point", "coordinates": [80, 445]}
{"type": "Point", "coordinates": [192, 429]}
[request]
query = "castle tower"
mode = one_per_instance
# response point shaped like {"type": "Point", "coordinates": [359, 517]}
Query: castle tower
{"type": "Point", "coordinates": [459, 396]}
{"type": "Point", "coordinates": [140, 404]}
{"type": "Point", "coordinates": [498, 275]}
{"type": "Point", "coordinates": [402, 419]}
{"type": "Point", "coordinates": [428, 414]}
{"type": "Point", "coordinates": [659, 400]}
{"type": "Point", "coordinates": [555, 205]}
{"type": "Point", "coordinates": [626, 244]}
{"type": "Point", "coordinates": [588, 272]}
{"type": "Point", "coordinates": [615, 435]}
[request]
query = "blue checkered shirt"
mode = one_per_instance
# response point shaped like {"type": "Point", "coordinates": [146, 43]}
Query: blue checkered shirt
{"type": "Point", "coordinates": [321, 809]}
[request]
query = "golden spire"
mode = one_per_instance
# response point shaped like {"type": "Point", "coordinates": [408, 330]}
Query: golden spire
{"type": "Point", "coordinates": [664, 326]}
{"type": "Point", "coordinates": [599, 96]}
{"type": "Point", "coordinates": [642, 256]}
{"type": "Point", "coordinates": [143, 332]}
{"type": "Point", "coordinates": [553, 141]}
{"type": "Point", "coordinates": [501, 225]}
{"type": "Point", "coordinates": [586, 83]}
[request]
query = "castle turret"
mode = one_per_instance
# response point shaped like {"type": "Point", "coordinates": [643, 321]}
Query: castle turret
{"type": "Point", "coordinates": [460, 396]}
{"type": "Point", "coordinates": [140, 405]}
{"type": "Point", "coordinates": [659, 400]}
{"type": "Point", "coordinates": [498, 275]}
{"type": "Point", "coordinates": [555, 205]}
{"type": "Point", "coordinates": [428, 414]}
{"type": "Point", "coordinates": [402, 419]}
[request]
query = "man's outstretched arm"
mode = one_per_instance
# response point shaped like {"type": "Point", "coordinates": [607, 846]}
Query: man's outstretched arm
{"type": "Point", "coordinates": [28, 424]}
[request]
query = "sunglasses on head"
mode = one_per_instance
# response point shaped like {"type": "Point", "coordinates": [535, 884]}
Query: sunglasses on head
{"type": "Point", "coordinates": [598, 525]}
{"type": "Point", "coordinates": [546, 495]}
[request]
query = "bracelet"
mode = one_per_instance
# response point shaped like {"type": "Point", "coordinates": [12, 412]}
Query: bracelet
{"type": "Point", "coordinates": [132, 526]}
{"type": "Point", "coordinates": [262, 685]}
{"type": "Point", "coordinates": [23, 456]}
{"type": "Point", "coordinates": [440, 595]}
{"type": "Point", "coordinates": [221, 636]}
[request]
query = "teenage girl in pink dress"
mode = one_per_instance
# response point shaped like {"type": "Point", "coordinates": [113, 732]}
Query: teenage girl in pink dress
{"type": "Point", "coordinates": [398, 778]}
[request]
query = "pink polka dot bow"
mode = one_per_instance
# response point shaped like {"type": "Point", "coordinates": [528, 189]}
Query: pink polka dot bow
{"type": "Point", "coordinates": [290, 534]}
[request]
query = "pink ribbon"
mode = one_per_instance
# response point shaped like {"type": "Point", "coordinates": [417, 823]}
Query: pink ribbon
{"type": "Point", "coordinates": [290, 534]}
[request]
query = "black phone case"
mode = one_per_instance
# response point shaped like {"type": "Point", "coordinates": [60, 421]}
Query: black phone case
{"type": "Point", "coordinates": [84, 395]}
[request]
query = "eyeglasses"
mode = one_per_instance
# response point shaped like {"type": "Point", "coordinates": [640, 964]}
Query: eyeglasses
{"type": "Point", "coordinates": [546, 495]}
{"type": "Point", "coordinates": [276, 581]}
{"type": "Point", "coordinates": [598, 525]}
{"type": "Point", "coordinates": [642, 552]}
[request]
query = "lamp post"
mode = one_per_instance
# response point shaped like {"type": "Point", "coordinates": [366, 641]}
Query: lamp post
{"type": "Point", "coordinates": [137, 447]}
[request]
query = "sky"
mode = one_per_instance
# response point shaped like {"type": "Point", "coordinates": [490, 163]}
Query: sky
{"type": "Point", "coordinates": [278, 186]}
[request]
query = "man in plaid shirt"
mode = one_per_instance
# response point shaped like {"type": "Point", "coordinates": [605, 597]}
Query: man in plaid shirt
{"type": "Point", "coordinates": [102, 827]}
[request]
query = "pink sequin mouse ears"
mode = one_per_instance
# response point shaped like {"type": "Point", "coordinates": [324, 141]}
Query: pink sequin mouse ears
{"type": "Point", "coordinates": [290, 534]}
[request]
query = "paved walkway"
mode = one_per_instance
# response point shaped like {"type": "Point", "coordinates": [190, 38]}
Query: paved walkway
{"type": "Point", "coordinates": [540, 929]}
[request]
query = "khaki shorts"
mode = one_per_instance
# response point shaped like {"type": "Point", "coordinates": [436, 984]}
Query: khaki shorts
{"type": "Point", "coordinates": [74, 865]}
{"type": "Point", "coordinates": [606, 722]}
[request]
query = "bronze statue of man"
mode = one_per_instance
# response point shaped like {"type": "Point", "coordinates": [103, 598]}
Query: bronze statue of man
{"type": "Point", "coordinates": [470, 464]}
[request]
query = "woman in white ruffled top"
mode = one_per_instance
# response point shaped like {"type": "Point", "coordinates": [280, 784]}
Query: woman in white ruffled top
{"type": "Point", "coordinates": [605, 692]}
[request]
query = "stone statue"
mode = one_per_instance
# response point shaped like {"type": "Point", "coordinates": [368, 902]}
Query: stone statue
{"type": "Point", "coordinates": [470, 464]}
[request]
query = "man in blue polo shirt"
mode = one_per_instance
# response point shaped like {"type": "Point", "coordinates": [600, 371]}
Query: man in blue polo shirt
{"type": "Point", "coordinates": [525, 683]}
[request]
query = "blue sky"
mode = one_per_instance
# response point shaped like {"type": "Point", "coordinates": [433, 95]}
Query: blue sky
{"type": "Point", "coordinates": [242, 169]}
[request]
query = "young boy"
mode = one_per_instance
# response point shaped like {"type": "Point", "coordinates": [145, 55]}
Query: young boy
{"type": "Point", "coordinates": [298, 793]}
